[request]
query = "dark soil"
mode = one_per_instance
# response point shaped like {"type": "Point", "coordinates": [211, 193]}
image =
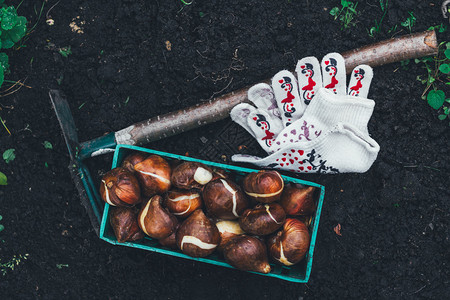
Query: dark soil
{"type": "Point", "coordinates": [395, 218]}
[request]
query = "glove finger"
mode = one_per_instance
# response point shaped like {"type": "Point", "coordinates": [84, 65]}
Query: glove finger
{"type": "Point", "coordinates": [333, 73]}
{"type": "Point", "coordinates": [240, 113]}
{"type": "Point", "coordinates": [285, 88]}
{"type": "Point", "coordinates": [309, 78]}
{"type": "Point", "coordinates": [263, 97]}
{"type": "Point", "coordinates": [360, 80]}
{"type": "Point", "coordinates": [265, 127]}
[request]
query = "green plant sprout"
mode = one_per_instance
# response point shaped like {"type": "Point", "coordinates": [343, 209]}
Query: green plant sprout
{"type": "Point", "coordinates": [4, 125]}
{"type": "Point", "coordinates": [12, 29]}
{"type": "Point", "coordinates": [375, 29]}
{"type": "Point", "coordinates": [440, 28]}
{"type": "Point", "coordinates": [47, 145]}
{"type": "Point", "coordinates": [12, 263]}
{"type": "Point", "coordinates": [409, 22]}
{"type": "Point", "coordinates": [185, 4]}
{"type": "Point", "coordinates": [438, 74]}
{"type": "Point", "coordinates": [65, 51]}
{"type": "Point", "coordinates": [60, 266]}
{"type": "Point", "coordinates": [345, 14]}
{"type": "Point", "coordinates": [1, 226]}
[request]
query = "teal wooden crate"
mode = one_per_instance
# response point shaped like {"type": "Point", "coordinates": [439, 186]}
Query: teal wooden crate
{"type": "Point", "coordinates": [297, 273]}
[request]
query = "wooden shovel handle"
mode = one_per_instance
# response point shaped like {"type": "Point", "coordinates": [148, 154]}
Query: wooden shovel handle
{"type": "Point", "coordinates": [392, 50]}
{"type": "Point", "coordinates": [381, 53]}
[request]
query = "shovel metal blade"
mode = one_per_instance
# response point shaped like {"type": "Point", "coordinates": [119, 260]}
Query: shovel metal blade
{"type": "Point", "coordinates": [87, 190]}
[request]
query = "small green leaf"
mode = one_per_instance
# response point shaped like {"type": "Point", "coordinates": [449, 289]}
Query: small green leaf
{"type": "Point", "coordinates": [436, 98]}
{"type": "Point", "coordinates": [2, 227]}
{"type": "Point", "coordinates": [4, 61]}
{"type": "Point", "coordinates": [47, 145]}
{"type": "Point", "coordinates": [334, 11]}
{"type": "Point", "coordinates": [3, 179]}
{"type": "Point", "coordinates": [9, 155]}
{"type": "Point", "coordinates": [9, 18]}
{"type": "Point", "coordinates": [447, 53]}
{"type": "Point", "coordinates": [344, 3]}
{"type": "Point", "coordinates": [444, 68]}
{"type": "Point", "coordinates": [1, 217]}
{"type": "Point", "coordinates": [442, 117]}
{"type": "Point", "coordinates": [7, 43]}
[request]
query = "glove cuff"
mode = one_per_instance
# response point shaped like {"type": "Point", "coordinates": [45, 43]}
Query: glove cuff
{"type": "Point", "coordinates": [329, 109]}
{"type": "Point", "coordinates": [343, 149]}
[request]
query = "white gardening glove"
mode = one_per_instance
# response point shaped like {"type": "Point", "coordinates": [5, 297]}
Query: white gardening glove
{"type": "Point", "coordinates": [318, 105]}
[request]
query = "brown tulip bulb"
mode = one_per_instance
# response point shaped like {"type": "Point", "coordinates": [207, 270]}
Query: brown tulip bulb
{"type": "Point", "coordinates": [262, 219]}
{"type": "Point", "coordinates": [224, 199]}
{"type": "Point", "coordinates": [124, 223]}
{"type": "Point", "coordinates": [228, 230]}
{"type": "Point", "coordinates": [298, 200]}
{"type": "Point", "coordinates": [170, 241]}
{"type": "Point", "coordinates": [154, 175]}
{"type": "Point", "coordinates": [263, 186]}
{"type": "Point", "coordinates": [120, 187]}
{"type": "Point", "coordinates": [189, 175]}
{"type": "Point", "coordinates": [197, 236]}
{"type": "Point", "coordinates": [247, 253]}
{"type": "Point", "coordinates": [289, 245]}
{"type": "Point", "coordinates": [155, 220]}
{"type": "Point", "coordinates": [182, 203]}
{"type": "Point", "coordinates": [133, 159]}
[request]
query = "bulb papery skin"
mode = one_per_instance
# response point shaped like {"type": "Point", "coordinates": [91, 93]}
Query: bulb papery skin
{"type": "Point", "coordinates": [224, 199]}
{"type": "Point", "coordinates": [155, 220]}
{"type": "Point", "coordinates": [133, 159]}
{"type": "Point", "coordinates": [289, 245]}
{"type": "Point", "coordinates": [247, 253]}
{"type": "Point", "coordinates": [228, 230]}
{"type": "Point", "coordinates": [197, 236]}
{"type": "Point", "coordinates": [263, 219]}
{"type": "Point", "coordinates": [123, 221]}
{"type": "Point", "coordinates": [182, 203]}
{"type": "Point", "coordinates": [298, 200]}
{"type": "Point", "coordinates": [154, 175]}
{"type": "Point", "coordinates": [263, 186]}
{"type": "Point", "coordinates": [191, 175]}
{"type": "Point", "coordinates": [119, 187]}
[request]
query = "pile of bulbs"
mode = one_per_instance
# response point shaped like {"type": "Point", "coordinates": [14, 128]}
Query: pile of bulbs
{"type": "Point", "coordinates": [198, 210]}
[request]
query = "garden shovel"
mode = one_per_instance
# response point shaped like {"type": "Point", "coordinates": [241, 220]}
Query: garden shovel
{"type": "Point", "coordinates": [393, 50]}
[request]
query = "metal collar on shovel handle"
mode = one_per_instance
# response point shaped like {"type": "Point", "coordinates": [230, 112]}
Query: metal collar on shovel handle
{"type": "Point", "coordinates": [393, 50]}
